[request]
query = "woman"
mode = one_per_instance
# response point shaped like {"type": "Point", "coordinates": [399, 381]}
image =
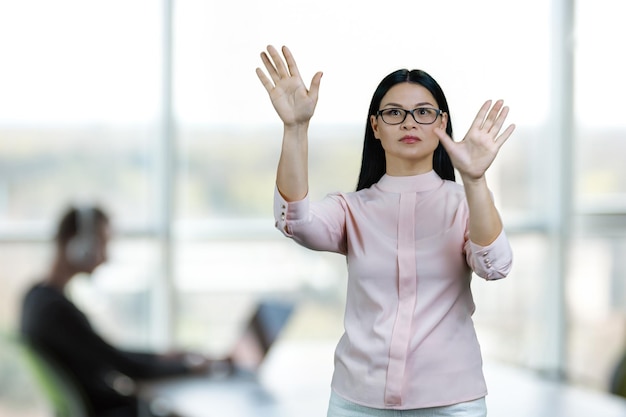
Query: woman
{"type": "Point", "coordinates": [412, 238]}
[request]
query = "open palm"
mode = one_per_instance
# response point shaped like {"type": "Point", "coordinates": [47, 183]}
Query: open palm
{"type": "Point", "coordinates": [473, 155]}
{"type": "Point", "coordinates": [294, 103]}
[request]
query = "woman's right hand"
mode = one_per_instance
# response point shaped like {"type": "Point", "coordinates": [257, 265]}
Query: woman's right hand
{"type": "Point", "coordinates": [294, 103]}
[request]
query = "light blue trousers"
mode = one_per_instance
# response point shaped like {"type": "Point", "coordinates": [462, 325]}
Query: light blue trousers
{"type": "Point", "coordinates": [339, 407]}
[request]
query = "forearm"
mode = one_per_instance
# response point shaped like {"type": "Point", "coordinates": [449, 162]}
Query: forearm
{"type": "Point", "coordinates": [484, 220]}
{"type": "Point", "coordinates": [292, 173]}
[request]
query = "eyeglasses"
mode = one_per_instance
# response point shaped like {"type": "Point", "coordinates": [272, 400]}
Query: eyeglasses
{"type": "Point", "coordinates": [422, 115]}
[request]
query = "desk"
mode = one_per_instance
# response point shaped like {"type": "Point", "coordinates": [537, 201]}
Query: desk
{"type": "Point", "coordinates": [295, 381]}
{"type": "Point", "coordinates": [517, 392]}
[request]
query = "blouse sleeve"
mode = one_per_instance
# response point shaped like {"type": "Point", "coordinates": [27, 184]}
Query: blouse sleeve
{"type": "Point", "coordinates": [493, 261]}
{"type": "Point", "coordinates": [318, 226]}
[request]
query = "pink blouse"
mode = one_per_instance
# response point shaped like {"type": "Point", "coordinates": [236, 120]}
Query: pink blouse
{"type": "Point", "coordinates": [409, 339]}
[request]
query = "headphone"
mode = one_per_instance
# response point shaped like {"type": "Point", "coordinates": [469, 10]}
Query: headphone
{"type": "Point", "coordinates": [82, 248]}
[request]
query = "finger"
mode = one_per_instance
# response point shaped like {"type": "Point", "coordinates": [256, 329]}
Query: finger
{"type": "Point", "coordinates": [279, 64]}
{"type": "Point", "coordinates": [480, 117]}
{"type": "Point", "coordinates": [267, 83]}
{"type": "Point", "coordinates": [505, 135]}
{"type": "Point", "coordinates": [269, 66]}
{"type": "Point", "coordinates": [291, 62]}
{"type": "Point", "coordinates": [493, 115]}
{"type": "Point", "coordinates": [497, 125]}
{"type": "Point", "coordinates": [315, 85]}
{"type": "Point", "coordinates": [447, 142]}
{"type": "Point", "coordinates": [445, 139]}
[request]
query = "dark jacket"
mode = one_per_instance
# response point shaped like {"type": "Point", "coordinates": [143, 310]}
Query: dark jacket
{"type": "Point", "coordinates": [51, 323]}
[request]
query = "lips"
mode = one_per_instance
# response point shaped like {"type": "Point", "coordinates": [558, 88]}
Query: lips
{"type": "Point", "coordinates": [410, 139]}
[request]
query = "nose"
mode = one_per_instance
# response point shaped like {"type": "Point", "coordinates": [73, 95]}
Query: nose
{"type": "Point", "coordinates": [409, 122]}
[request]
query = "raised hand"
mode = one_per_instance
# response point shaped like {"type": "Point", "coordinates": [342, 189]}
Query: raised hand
{"type": "Point", "coordinates": [478, 149]}
{"type": "Point", "coordinates": [294, 103]}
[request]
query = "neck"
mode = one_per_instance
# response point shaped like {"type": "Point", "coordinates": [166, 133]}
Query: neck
{"type": "Point", "coordinates": [404, 168]}
{"type": "Point", "coordinates": [60, 274]}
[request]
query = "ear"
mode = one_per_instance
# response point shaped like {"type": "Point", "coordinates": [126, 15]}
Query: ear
{"type": "Point", "coordinates": [444, 121]}
{"type": "Point", "coordinates": [374, 123]}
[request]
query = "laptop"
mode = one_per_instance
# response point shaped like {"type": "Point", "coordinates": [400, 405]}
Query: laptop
{"type": "Point", "coordinates": [261, 332]}
{"type": "Point", "coordinates": [234, 389]}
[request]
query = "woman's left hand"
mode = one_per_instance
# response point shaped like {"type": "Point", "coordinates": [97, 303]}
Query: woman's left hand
{"type": "Point", "coordinates": [475, 153]}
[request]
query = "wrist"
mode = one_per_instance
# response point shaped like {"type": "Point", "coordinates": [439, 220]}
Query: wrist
{"type": "Point", "coordinates": [296, 126]}
{"type": "Point", "coordinates": [473, 181]}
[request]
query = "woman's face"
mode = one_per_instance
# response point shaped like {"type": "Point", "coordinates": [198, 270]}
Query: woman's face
{"type": "Point", "coordinates": [409, 146]}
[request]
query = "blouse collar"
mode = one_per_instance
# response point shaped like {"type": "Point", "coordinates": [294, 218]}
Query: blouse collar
{"type": "Point", "coordinates": [410, 183]}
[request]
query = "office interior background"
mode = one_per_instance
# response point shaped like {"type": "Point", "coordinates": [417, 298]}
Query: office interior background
{"type": "Point", "coordinates": [153, 110]}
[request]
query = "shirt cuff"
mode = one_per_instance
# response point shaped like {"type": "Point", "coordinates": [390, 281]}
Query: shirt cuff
{"type": "Point", "coordinates": [494, 260]}
{"type": "Point", "coordinates": [289, 212]}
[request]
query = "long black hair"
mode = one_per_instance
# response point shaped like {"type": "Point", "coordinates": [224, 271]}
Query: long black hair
{"type": "Point", "coordinates": [373, 164]}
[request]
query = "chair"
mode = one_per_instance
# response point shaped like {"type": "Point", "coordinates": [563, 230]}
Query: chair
{"type": "Point", "coordinates": [59, 387]}
{"type": "Point", "coordinates": [618, 378]}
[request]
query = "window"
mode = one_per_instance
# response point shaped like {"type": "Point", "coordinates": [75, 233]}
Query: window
{"type": "Point", "coordinates": [184, 160]}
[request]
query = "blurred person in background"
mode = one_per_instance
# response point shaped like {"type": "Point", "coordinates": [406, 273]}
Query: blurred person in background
{"type": "Point", "coordinates": [53, 325]}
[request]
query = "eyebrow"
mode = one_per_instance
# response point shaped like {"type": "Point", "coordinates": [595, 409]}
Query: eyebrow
{"type": "Point", "coordinates": [394, 105]}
